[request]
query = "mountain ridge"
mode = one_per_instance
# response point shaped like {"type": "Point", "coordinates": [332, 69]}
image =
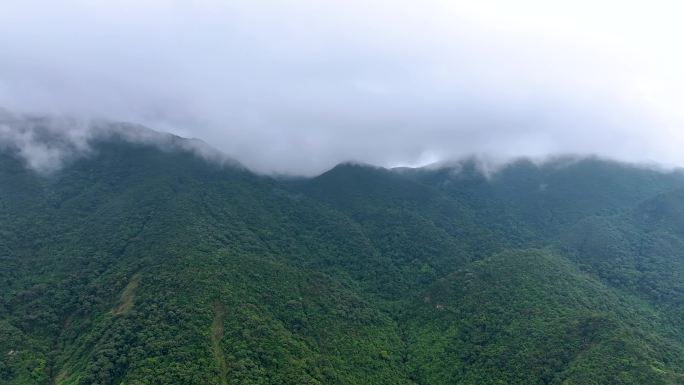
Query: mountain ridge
{"type": "Point", "coordinates": [141, 265]}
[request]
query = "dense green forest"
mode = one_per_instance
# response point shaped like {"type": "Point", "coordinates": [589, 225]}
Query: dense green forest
{"type": "Point", "coordinates": [139, 264]}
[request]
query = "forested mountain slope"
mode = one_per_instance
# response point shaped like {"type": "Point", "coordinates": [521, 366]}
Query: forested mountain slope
{"type": "Point", "coordinates": [141, 264]}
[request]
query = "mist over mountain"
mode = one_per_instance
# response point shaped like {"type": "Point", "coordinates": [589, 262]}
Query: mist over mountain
{"type": "Point", "coordinates": [144, 262]}
{"type": "Point", "coordinates": [46, 142]}
{"type": "Point", "coordinates": [357, 192]}
{"type": "Point", "coordinates": [297, 87]}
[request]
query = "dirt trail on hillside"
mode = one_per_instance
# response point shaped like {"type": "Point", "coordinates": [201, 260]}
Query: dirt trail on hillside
{"type": "Point", "coordinates": [128, 295]}
{"type": "Point", "coordinates": [216, 336]}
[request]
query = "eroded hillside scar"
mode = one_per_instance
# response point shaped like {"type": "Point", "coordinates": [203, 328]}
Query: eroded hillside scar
{"type": "Point", "coordinates": [216, 336]}
{"type": "Point", "coordinates": [128, 296]}
{"type": "Point", "coordinates": [61, 376]}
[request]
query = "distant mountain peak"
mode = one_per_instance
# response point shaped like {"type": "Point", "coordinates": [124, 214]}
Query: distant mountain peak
{"type": "Point", "coordinates": [46, 143]}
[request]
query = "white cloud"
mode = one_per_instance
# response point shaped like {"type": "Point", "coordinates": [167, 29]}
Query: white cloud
{"type": "Point", "coordinates": [297, 86]}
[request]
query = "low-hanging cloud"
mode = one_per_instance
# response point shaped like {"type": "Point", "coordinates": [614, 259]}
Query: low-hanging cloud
{"type": "Point", "coordinates": [298, 86]}
{"type": "Point", "coordinates": [47, 143]}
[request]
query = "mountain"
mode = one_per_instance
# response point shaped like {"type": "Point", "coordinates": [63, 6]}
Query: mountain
{"type": "Point", "coordinates": [141, 263]}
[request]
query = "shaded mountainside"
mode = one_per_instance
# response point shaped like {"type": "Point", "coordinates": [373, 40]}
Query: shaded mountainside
{"type": "Point", "coordinates": [142, 265]}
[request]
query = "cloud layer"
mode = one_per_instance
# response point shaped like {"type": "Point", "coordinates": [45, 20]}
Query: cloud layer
{"type": "Point", "coordinates": [298, 86]}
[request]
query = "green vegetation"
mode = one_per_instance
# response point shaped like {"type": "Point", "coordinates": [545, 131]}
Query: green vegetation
{"type": "Point", "coordinates": [136, 265]}
{"type": "Point", "coordinates": [216, 336]}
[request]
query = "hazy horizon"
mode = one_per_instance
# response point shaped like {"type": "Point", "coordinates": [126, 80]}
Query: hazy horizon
{"type": "Point", "coordinates": [45, 145]}
{"type": "Point", "coordinates": [296, 87]}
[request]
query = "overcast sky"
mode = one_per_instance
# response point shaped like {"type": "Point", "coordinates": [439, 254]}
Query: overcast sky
{"type": "Point", "coordinates": [298, 86]}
